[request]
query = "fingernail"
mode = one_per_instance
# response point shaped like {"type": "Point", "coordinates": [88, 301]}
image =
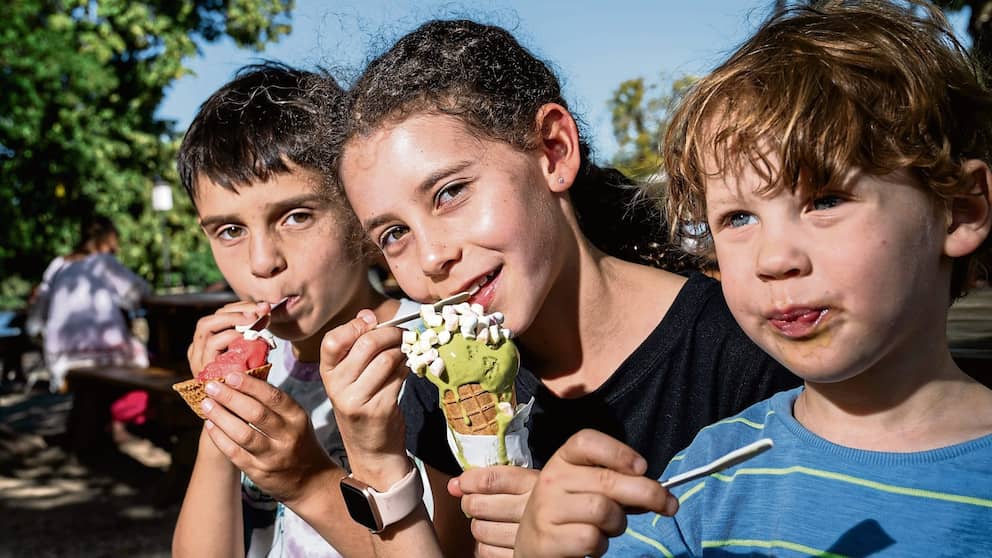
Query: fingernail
{"type": "Point", "coordinates": [368, 316]}
{"type": "Point", "coordinates": [234, 379]}
{"type": "Point", "coordinates": [209, 424]}
{"type": "Point", "coordinates": [671, 505]}
{"type": "Point", "coordinates": [212, 388]}
{"type": "Point", "coordinates": [206, 405]}
{"type": "Point", "coordinates": [640, 465]}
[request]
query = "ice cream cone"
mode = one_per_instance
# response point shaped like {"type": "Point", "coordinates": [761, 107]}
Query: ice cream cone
{"type": "Point", "coordinates": [474, 410]}
{"type": "Point", "coordinates": [192, 390]}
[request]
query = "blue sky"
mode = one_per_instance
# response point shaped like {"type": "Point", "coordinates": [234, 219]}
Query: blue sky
{"type": "Point", "coordinates": [593, 45]}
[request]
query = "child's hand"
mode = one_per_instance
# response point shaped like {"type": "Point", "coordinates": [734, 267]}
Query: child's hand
{"type": "Point", "coordinates": [581, 495]}
{"type": "Point", "coordinates": [265, 433]}
{"type": "Point", "coordinates": [214, 333]}
{"type": "Point", "coordinates": [363, 371]}
{"type": "Point", "coordinates": [494, 497]}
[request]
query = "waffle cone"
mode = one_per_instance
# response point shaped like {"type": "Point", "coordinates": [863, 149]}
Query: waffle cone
{"type": "Point", "coordinates": [192, 390]}
{"type": "Point", "coordinates": [478, 405]}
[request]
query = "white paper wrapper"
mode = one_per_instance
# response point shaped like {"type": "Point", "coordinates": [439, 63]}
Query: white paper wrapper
{"type": "Point", "coordinates": [483, 451]}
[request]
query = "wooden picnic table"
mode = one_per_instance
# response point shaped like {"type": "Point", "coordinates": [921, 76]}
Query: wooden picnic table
{"type": "Point", "coordinates": [171, 322]}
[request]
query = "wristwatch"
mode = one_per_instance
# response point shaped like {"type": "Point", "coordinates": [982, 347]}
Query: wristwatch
{"type": "Point", "coordinates": [378, 510]}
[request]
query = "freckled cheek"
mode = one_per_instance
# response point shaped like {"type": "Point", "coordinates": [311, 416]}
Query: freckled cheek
{"type": "Point", "coordinates": [410, 278]}
{"type": "Point", "coordinates": [488, 223]}
{"type": "Point", "coordinates": [234, 269]}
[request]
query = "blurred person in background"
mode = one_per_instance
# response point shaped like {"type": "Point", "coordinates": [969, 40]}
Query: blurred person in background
{"type": "Point", "coordinates": [80, 308]}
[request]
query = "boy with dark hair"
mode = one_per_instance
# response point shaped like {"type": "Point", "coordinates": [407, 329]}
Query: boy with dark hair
{"type": "Point", "coordinates": [841, 161]}
{"type": "Point", "coordinates": [252, 164]}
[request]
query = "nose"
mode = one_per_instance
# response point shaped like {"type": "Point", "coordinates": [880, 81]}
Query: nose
{"type": "Point", "coordinates": [438, 251]}
{"type": "Point", "coordinates": [781, 255]}
{"type": "Point", "coordinates": [265, 255]}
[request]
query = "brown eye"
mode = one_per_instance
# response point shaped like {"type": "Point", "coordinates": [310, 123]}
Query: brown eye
{"type": "Point", "coordinates": [391, 235]}
{"type": "Point", "coordinates": [448, 193]}
{"type": "Point", "coordinates": [298, 218]}
{"type": "Point", "coordinates": [229, 232]}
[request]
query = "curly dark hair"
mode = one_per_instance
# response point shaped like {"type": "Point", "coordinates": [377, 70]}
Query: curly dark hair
{"type": "Point", "coordinates": [838, 85]}
{"type": "Point", "coordinates": [484, 77]}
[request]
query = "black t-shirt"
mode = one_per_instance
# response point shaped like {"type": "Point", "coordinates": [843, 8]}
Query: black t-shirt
{"type": "Point", "coordinates": [694, 369]}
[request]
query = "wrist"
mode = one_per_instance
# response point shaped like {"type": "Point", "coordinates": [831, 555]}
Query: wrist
{"type": "Point", "coordinates": [208, 451]}
{"type": "Point", "coordinates": [311, 492]}
{"type": "Point", "coordinates": [383, 471]}
{"type": "Point", "coordinates": [378, 509]}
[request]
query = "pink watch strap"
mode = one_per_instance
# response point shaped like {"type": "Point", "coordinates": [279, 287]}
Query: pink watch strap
{"type": "Point", "coordinates": [400, 499]}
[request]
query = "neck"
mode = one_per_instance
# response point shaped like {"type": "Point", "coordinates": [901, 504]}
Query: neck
{"type": "Point", "coordinates": [907, 403]}
{"type": "Point", "coordinates": [308, 350]}
{"type": "Point", "coordinates": [599, 310]}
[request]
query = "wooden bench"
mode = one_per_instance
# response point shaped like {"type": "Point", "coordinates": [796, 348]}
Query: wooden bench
{"type": "Point", "coordinates": [94, 389]}
{"type": "Point", "coordinates": [170, 423]}
{"type": "Point", "coordinates": [150, 379]}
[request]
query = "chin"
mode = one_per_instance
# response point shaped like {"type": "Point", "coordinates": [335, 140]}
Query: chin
{"type": "Point", "coordinates": [290, 331]}
{"type": "Point", "coordinates": [821, 371]}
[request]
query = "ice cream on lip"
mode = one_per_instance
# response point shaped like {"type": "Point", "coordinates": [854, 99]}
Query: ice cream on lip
{"type": "Point", "coordinates": [469, 356]}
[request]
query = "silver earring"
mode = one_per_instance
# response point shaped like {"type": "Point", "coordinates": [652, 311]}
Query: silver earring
{"type": "Point", "coordinates": [561, 180]}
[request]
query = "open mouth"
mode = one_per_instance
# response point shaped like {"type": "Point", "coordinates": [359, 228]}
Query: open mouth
{"type": "Point", "coordinates": [484, 289]}
{"type": "Point", "coordinates": [279, 310]}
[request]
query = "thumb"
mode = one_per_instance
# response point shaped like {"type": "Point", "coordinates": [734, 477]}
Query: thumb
{"type": "Point", "coordinates": [455, 488]}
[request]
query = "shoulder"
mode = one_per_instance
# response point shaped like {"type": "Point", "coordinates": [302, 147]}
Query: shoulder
{"type": "Point", "coordinates": [701, 297]}
{"type": "Point", "coordinates": [105, 262]}
{"type": "Point", "coordinates": [761, 420]}
{"type": "Point", "coordinates": [701, 311]}
{"type": "Point", "coordinates": [55, 265]}
{"type": "Point", "coordinates": [700, 316]}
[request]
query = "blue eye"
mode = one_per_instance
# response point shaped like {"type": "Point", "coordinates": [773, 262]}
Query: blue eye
{"type": "Point", "coordinates": [826, 202]}
{"type": "Point", "coordinates": [739, 219]}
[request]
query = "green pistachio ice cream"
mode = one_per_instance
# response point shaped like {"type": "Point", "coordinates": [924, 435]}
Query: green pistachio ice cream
{"type": "Point", "coordinates": [474, 364]}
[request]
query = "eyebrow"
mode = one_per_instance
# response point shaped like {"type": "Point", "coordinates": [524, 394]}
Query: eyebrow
{"type": "Point", "coordinates": [277, 208]}
{"type": "Point", "coordinates": [425, 186]}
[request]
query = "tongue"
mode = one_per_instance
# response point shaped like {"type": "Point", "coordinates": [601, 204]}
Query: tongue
{"type": "Point", "coordinates": [807, 317]}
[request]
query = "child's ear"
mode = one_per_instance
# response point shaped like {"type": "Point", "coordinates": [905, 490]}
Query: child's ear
{"type": "Point", "coordinates": [970, 215]}
{"type": "Point", "coordinates": [560, 153]}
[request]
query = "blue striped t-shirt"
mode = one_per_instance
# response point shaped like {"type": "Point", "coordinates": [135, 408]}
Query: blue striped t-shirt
{"type": "Point", "coordinates": [809, 497]}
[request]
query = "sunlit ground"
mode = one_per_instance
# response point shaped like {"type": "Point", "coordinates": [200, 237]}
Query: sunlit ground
{"type": "Point", "coordinates": [109, 503]}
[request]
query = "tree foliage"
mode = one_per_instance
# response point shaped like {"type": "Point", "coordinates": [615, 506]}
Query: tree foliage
{"type": "Point", "coordinates": [81, 81]}
{"type": "Point", "coordinates": [979, 27]}
{"type": "Point", "coordinates": [640, 109]}
{"type": "Point", "coordinates": [640, 112]}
